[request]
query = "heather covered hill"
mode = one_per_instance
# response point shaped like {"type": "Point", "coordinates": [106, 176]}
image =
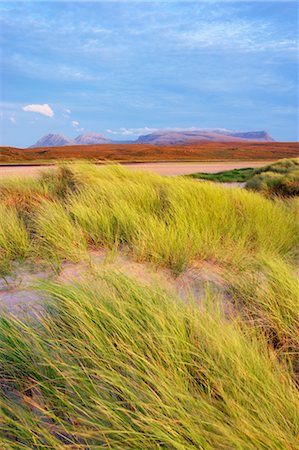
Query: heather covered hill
{"type": "Point", "coordinates": [209, 151]}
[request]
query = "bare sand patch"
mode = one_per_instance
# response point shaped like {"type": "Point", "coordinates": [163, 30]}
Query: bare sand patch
{"type": "Point", "coordinates": [18, 293]}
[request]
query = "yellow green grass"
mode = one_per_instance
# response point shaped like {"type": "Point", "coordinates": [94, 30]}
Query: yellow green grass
{"type": "Point", "coordinates": [113, 364]}
{"type": "Point", "coordinates": [278, 179]}
{"type": "Point", "coordinates": [168, 221]}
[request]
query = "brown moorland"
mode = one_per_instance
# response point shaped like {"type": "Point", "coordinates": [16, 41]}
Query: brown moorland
{"type": "Point", "coordinates": [214, 151]}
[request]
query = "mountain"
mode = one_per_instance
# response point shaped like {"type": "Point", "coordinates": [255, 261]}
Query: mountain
{"type": "Point", "coordinates": [161, 137]}
{"type": "Point", "coordinates": [167, 137]}
{"type": "Point", "coordinates": [53, 140]}
{"type": "Point", "coordinates": [91, 138]}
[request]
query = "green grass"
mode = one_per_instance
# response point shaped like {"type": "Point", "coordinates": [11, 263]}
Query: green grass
{"type": "Point", "coordinates": [14, 239]}
{"type": "Point", "coordinates": [111, 363]}
{"type": "Point", "coordinates": [267, 293]}
{"type": "Point", "coordinates": [226, 176]}
{"type": "Point", "coordinates": [171, 222]}
{"type": "Point", "coordinates": [281, 166]}
{"type": "Point", "coordinates": [278, 179]}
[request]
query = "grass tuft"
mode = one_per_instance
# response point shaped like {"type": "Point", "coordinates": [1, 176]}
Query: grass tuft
{"type": "Point", "coordinates": [14, 239]}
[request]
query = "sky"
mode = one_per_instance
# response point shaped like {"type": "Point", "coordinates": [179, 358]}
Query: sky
{"type": "Point", "coordinates": [128, 68]}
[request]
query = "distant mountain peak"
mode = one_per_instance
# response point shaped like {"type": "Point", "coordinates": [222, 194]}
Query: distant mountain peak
{"type": "Point", "coordinates": [53, 140]}
{"type": "Point", "coordinates": [60, 140]}
{"type": "Point", "coordinates": [91, 138]}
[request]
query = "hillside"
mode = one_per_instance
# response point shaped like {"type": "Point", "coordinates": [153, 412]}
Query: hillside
{"type": "Point", "coordinates": [210, 151]}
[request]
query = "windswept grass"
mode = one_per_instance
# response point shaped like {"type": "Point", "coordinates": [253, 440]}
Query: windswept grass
{"type": "Point", "coordinates": [110, 363]}
{"type": "Point", "coordinates": [14, 238]}
{"type": "Point", "coordinates": [281, 166]}
{"type": "Point", "coordinates": [269, 293]}
{"type": "Point", "coordinates": [278, 179]}
{"type": "Point", "coordinates": [57, 237]}
{"type": "Point", "coordinates": [113, 364]}
{"type": "Point", "coordinates": [168, 221]}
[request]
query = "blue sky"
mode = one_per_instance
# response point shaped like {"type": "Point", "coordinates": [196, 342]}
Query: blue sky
{"type": "Point", "coordinates": [126, 68]}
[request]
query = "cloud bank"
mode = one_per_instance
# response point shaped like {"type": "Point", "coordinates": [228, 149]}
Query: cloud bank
{"type": "Point", "coordinates": [132, 131]}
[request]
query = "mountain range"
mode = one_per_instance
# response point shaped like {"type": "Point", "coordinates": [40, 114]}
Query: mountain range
{"type": "Point", "coordinates": [161, 137]}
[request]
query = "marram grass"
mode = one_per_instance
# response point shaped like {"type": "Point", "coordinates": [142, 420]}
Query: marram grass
{"type": "Point", "coordinates": [171, 222]}
{"type": "Point", "coordinates": [14, 238]}
{"type": "Point", "coordinates": [113, 364]}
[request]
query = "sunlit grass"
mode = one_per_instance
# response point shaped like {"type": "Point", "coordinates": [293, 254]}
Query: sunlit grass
{"type": "Point", "coordinates": [14, 238]}
{"type": "Point", "coordinates": [113, 364]}
{"type": "Point", "coordinates": [278, 179]}
{"type": "Point", "coordinates": [110, 363]}
{"type": "Point", "coordinates": [269, 292]}
{"type": "Point", "coordinates": [171, 222]}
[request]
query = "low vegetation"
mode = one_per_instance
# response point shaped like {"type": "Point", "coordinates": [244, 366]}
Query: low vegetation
{"type": "Point", "coordinates": [226, 176]}
{"type": "Point", "coordinates": [112, 363]}
{"type": "Point", "coordinates": [278, 179]}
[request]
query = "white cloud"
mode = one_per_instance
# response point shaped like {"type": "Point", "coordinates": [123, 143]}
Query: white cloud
{"type": "Point", "coordinates": [75, 124]}
{"type": "Point", "coordinates": [44, 109]}
{"type": "Point", "coordinates": [132, 131]}
{"type": "Point", "coordinates": [13, 120]}
{"type": "Point", "coordinates": [66, 113]}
